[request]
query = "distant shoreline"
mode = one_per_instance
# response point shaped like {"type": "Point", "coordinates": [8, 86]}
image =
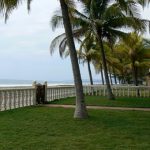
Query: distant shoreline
{"type": "Point", "coordinates": [27, 83]}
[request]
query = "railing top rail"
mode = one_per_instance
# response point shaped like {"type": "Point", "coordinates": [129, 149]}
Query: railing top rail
{"type": "Point", "coordinates": [96, 85]}
{"type": "Point", "coordinates": [130, 86]}
{"type": "Point", "coordinates": [60, 86]}
{"type": "Point", "coordinates": [16, 88]}
{"type": "Point", "coordinates": [117, 86]}
{"type": "Point", "coordinates": [70, 86]}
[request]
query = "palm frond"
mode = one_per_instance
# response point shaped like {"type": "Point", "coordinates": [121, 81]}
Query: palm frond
{"type": "Point", "coordinates": [56, 20]}
{"type": "Point", "coordinates": [143, 2]}
{"type": "Point", "coordinates": [62, 47]}
{"type": "Point", "coordinates": [56, 42]}
{"type": "Point", "coordinates": [29, 5]}
{"type": "Point", "coordinates": [7, 6]}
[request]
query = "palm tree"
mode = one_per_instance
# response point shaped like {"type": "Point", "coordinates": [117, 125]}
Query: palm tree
{"type": "Point", "coordinates": [80, 110]}
{"type": "Point", "coordinates": [110, 59]}
{"type": "Point", "coordinates": [99, 69]}
{"type": "Point", "coordinates": [86, 52]}
{"type": "Point", "coordinates": [137, 51]}
{"type": "Point", "coordinates": [66, 40]}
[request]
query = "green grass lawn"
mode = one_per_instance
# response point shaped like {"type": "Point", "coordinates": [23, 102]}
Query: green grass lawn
{"type": "Point", "coordinates": [42, 128]}
{"type": "Point", "coordinates": [103, 101]}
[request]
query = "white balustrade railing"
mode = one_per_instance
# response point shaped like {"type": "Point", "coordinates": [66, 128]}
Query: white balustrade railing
{"type": "Point", "coordinates": [59, 92]}
{"type": "Point", "coordinates": [11, 98]}
{"type": "Point", "coordinates": [118, 91]}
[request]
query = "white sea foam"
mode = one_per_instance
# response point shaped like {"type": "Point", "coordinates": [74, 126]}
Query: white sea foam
{"type": "Point", "coordinates": [23, 83]}
{"type": "Point", "coordinates": [29, 85]}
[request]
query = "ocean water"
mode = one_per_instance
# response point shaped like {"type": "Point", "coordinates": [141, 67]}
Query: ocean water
{"type": "Point", "coordinates": [18, 83]}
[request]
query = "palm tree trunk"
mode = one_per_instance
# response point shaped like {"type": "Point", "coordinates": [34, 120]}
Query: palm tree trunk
{"type": "Point", "coordinates": [102, 77]}
{"type": "Point", "coordinates": [90, 73]}
{"type": "Point", "coordinates": [109, 90]}
{"type": "Point", "coordinates": [134, 74]}
{"type": "Point", "coordinates": [115, 78]}
{"type": "Point", "coordinates": [109, 70]}
{"type": "Point", "coordinates": [135, 77]}
{"type": "Point", "coordinates": [80, 109]}
{"type": "Point", "coordinates": [119, 80]}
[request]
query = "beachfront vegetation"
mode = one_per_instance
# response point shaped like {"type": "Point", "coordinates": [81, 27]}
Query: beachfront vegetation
{"type": "Point", "coordinates": [136, 53]}
{"type": "Point", "coordinates": [101, 21]}
{"type": "Point", "coordinates": [44, 128]}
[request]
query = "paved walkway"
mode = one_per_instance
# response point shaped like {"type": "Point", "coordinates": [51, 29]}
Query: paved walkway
{"type": "Point", "coordinates": [98, 107]}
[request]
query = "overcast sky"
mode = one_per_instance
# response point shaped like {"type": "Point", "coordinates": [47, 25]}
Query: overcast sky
{"type": "Point", "coordinates": [24, 45]}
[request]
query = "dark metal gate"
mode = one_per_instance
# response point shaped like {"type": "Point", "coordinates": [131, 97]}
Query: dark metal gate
{"type": "Point", "coordinates": [40, 94]}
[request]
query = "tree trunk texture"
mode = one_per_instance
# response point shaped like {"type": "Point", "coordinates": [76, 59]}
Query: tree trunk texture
{"type": "Point", "coordinates": [110, 76]}
{"type": "Point", "coordinates": [102, 76]}
{"type": "Point", "coordinates": [109, 90]}
{"type": "Point", "coordinates": [135, 77]}
{"type": "Point", "coordinates": [115, 78]}
{"type": "Point", "coordinates": [80, 109]}
{"type": "Point", "coordinates": [90, 72]}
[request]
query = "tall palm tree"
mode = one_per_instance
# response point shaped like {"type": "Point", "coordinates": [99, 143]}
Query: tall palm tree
{"type": "Point", "coordinates": [99, 69]}
{"type": "Point", "coordinates": [80, 110]}
{"type": "Point", "coordinates": [109, 59]}
{"type": "Point", "coordinates": [85, 56]}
